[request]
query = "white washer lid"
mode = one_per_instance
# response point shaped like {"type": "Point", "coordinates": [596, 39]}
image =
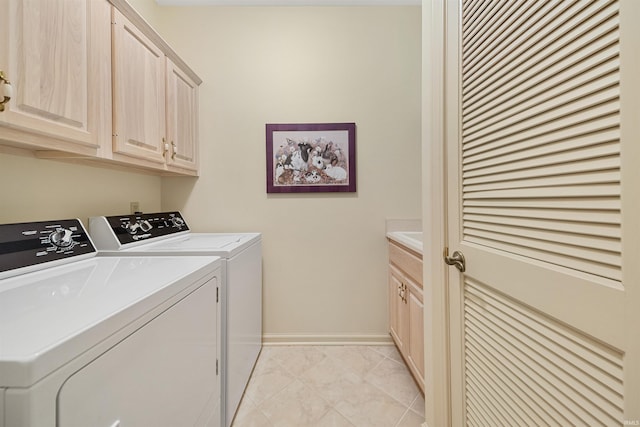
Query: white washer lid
{"type": "Point", "coordinates": [51, 316]}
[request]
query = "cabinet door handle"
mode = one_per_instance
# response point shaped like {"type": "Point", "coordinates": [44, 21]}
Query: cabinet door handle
{"type": "Point", "coordinates": [6, 91]}
{"type": "Point", "coordinates": [402, 289]}
{"type": "Point", "coordinates": [174, 150]}
{"type": "Point", "coordinates": [165, 147]}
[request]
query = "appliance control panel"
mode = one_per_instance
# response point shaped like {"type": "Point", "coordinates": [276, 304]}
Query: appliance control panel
{"type": "Point", "coordinates": [31, 243]}
{"type": "Point", "coordinates": [139, 227]}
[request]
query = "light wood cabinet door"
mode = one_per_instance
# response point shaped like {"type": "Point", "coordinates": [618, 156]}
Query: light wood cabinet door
{"type": "Point", "coordinates": [182, 118]}
{"type": "Point", "coordinates": [398, 319]}
{"type": "Point", "coordinates": [415, 351]}
{"type": "Point", "coordinates": [56, 54]}
{"type": "Point", "coordinates": [406, 308]}
{"type": "Point", "coordinates": [138, 94]}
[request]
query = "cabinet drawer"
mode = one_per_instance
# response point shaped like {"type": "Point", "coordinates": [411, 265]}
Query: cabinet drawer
{"type": "Point", "coordinates": [406, 260]}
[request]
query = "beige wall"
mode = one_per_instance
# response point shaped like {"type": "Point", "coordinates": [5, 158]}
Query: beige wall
{"type": "Point", "coordinates": [35, 189]}
{"type": "Point", "coordinates": [325, 255]}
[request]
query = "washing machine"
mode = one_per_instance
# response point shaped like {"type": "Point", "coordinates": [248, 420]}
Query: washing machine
{"type": "Point", "coordinates": [167, 233]}
{"type": "Point", "coordinates": [104, 341]}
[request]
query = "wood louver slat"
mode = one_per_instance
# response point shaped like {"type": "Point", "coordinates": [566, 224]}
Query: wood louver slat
{"type": "Point", "coordinates": [543, 45]}
{"type": "Point", "coordinates": [566, 226]}
{"type": "Point", "coordinates": [595, 144]}
{"type": "Point", "coordinates": [580, 109]}
{"type": "Point", "coordinates": [563, 136]}
{"type": "Point", "coordinates": [546, 373]}
{"type": "Point", "coordinates": [583, 217]}
{"type": "Point", "coordinates": [599, 158]}
{"type": "Point", "coordinates": [549, 102]}
{"type": "Point", "coordinates": [540, 132]}
{"type": "Point", "coordinates": [578, 203]}
{"type": "Point", "coordinates": [539, 89]}
{"type": "Point", "coordinates": [493, 25]}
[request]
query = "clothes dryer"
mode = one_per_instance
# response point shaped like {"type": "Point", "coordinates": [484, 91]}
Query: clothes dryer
{"type": "Point", "coordinates": [167, 233]}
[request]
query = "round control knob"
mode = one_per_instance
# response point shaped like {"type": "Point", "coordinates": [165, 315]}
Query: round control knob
{"type": "Point", "coordinates": [131, 228]}
{"type": "Point", "coordinates": [145, 225]}
{"type": "Point", "coordinates": [177, 222]}
{"type": "Point", "coordinates": [61, 238]}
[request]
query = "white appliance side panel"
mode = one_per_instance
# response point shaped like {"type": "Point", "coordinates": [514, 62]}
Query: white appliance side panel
{"type": "Point", "coordinates": [244, 322]}
{"type": "Point", "coordinates": [2, 407]}
{"type": "Point", "coordinates": [102, 234]}
{"type": "Point", "coordinates": [164, 374]}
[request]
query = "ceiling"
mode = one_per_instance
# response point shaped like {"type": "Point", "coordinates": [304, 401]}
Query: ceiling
{"type": "Point", "coordinates": [289, 2]}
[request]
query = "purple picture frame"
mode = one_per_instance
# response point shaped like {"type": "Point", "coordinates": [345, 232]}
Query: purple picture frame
{"type": "Point", "coordinates": [311, 158]}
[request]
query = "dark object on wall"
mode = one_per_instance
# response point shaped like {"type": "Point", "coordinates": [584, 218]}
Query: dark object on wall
{"type": "Point", "coordinates": [311, 157]}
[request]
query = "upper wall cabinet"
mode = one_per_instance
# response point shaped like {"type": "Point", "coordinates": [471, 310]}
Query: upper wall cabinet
{"type": "Point", "coordinates": [155, 100]}
{"type": "Point", "coordinates": [182, 118]}
{"type": "Point", "coordinates": [56, 56]}
{"type": "Point", "coordinates": [138, 93]}
{"type": "Point", "coordinates": [91, 80]}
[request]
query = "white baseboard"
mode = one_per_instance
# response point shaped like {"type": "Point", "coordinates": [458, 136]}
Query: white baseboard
{"type": "Point", "coordinates": [304, 339]}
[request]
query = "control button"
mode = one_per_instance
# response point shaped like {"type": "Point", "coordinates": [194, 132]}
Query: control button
{"type": "Point", "coordinates": [61, 238]}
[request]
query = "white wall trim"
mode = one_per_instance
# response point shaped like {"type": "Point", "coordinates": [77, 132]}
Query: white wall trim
{"type": "Point", "coordinates": [434, 214]}
{"type": "Point", "coordinates": [321, 339]}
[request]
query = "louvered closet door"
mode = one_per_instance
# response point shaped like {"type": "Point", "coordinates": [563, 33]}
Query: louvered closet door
{"type": "Point", "coordinates": [542, 135]}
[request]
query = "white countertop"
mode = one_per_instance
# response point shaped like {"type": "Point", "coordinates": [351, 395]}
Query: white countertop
{"type": "Point", "coordinates": [410, 239]}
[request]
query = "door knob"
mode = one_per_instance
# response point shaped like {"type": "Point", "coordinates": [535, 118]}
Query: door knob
{"type": "Point", "coordinates": [457, 259]}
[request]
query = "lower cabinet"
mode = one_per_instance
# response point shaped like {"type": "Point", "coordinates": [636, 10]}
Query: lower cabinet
{"type": "Point", "coordinates": [406, 308]}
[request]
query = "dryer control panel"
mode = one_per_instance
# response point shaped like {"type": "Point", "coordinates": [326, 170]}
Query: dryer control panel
{"type": "Point", "coordinates": [141, 227]}
{"type": "Point", "coordinates": [32, 243]}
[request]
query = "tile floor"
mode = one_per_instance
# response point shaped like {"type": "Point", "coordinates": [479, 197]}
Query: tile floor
{"type": "Point", "coordinates": [337, 386]}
